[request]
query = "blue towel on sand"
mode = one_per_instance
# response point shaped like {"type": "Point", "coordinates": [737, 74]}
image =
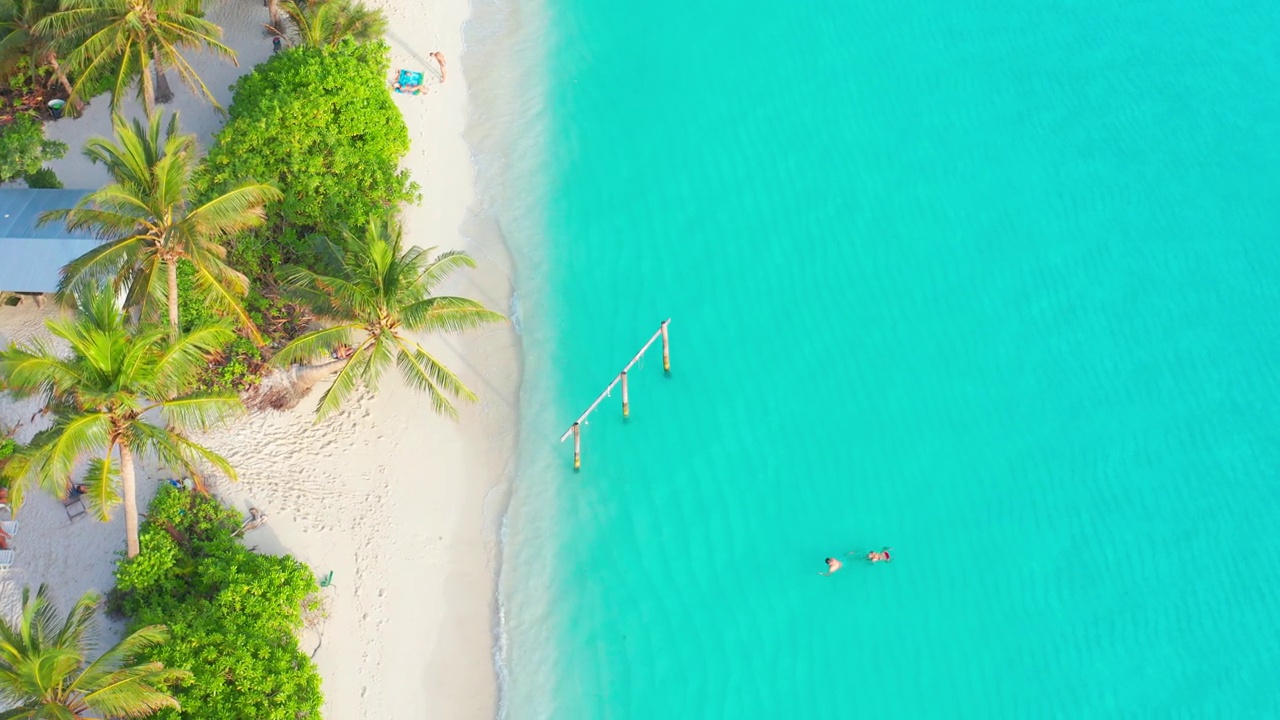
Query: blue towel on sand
{"type": "Point", "coordinates": [408, 82]}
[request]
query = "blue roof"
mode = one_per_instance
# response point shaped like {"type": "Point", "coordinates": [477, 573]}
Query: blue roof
{"type": "Point", "coordinates": [31, 256]}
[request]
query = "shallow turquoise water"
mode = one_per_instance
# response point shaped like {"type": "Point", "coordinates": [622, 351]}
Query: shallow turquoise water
{"type": "Point", "coordinates": [995, 283]}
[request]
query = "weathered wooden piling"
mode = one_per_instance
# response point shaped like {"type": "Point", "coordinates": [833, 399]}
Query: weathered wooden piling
{"type": "Point", "coordinates": [666, 348]}
{"type": "Point", "coordinates": [626, 400]}
{"type": "Point", "coordinates": [577, 447]}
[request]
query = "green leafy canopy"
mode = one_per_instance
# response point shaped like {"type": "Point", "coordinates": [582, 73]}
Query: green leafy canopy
{"type": "Point", "coordinates": [24, 149]}
{"type": "Point", "coordinates": [233, 613]}
{"type": "Point", "coordinates": [319, 123]}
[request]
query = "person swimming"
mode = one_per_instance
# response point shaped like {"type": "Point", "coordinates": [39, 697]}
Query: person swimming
{"type": "Point", "coordinates": [832, 566]}
{"type": "Point", "coordinates": [874, 556]}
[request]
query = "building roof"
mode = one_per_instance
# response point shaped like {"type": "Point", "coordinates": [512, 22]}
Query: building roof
{"type": "Point", "coordinates": [31, 256]}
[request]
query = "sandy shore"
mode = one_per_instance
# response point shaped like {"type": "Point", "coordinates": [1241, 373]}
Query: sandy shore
{"type": "Point", "coordinates": [402, 506]}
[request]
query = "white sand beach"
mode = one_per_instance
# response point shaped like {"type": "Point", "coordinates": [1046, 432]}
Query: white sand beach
{"type": "Point", "coordinates": [404, 507]}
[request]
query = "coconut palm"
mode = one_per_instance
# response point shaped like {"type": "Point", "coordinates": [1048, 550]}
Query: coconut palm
{"type": "Point", "coordinates": [325, 23]}
{"type": "Point", "coordinates": [124, 392]}
{"type": "Point", "coordinates": [151, 222]}
{"type": "Point", "coordinates": [19, 39]}
{"type": "Point", "coordinates": [373, 294]}
{"type": "Point", "coordinates": [135, 39]}
{"type": "Point", "coordinates": [45, 671]}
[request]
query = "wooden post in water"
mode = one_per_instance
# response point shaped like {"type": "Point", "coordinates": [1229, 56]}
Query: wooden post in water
{"type": "Point", "coordinates": [577, 446]}
{"type": "Point", "coordinates": [626, 400]}
{"type": "Point", "coordinates": [666, 348]}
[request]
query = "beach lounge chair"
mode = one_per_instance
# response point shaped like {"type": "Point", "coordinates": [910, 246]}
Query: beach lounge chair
{"type": "Point", "coordinates": [74, 505]}
{"type": "Point", "coordinates": [408, 82]}
{"type": "Point", "coordinates": [10, 527]}
{"type": "Point", "coordinates": [6, 559]}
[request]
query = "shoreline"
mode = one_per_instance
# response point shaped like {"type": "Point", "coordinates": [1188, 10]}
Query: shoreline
{"type": "Point", "coordinates": [403, 506]}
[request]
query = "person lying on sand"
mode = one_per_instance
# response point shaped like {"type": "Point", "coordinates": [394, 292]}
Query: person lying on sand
{"type": "Point", "coordinates": [832, 566]}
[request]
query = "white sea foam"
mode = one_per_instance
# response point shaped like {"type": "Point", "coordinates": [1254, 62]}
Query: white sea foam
{"type": "Point", "coordinates": [505, 59]}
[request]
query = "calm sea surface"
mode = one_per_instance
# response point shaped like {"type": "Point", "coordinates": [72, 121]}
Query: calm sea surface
{"type": "Point", "coordinates": [995, 283]}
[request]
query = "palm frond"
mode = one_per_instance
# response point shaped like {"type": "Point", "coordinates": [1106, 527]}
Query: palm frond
{"type": "Point", "coordinates": [222, 288]}
{"type": "Point", "coordinates": [444, 265]}
{"type": "Point", "coordinates": [423, 372]}
{"type": "Point", "coordinates": [177, 452]}
{"type": "Point", "coordinates": [101, 480]}
{"type": "Point", "coordinates": [344, 384]}
{"type": "Point", "coordinates": [50, 458]}
{"type": "Point", "coordinates": [200, 412]}
{"type": "Point", "coordinates": [235, 210]}
{"type": "Point", "coordinates": [309, 346]}
{"type": "Point", "coordinates": [181, 361]}
{"type": "Point", "coordinates": [448, 314]}
{"type": "Point", "coordinates": [35, 368]}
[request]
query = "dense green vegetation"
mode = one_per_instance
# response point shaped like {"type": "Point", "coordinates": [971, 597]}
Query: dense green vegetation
{"type": "Point", "coordinates": [24, 149]}
{"type": "Point", "coordinates": [320, 124]}
{"type": "Point", "coordinates": [29, 58]}
{"type": "Point", "coordinates": [234, 614]}
{"type": "Point", "coordinates": [45, 671]}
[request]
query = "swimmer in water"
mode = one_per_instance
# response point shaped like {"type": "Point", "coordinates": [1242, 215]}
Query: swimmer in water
{"type": "Point", "coordinates": [873, 556]}
{"type": "Point", "coordinates": [832, 566]}
{"type": "Point", "coordinates": [876, 557]}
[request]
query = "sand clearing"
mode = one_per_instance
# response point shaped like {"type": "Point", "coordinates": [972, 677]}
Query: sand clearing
{"type": "Point", "coordinates": [402, 506]}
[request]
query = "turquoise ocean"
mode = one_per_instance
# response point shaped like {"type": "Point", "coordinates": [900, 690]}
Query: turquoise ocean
{"type": "Point", "coordinates": [995, 283]}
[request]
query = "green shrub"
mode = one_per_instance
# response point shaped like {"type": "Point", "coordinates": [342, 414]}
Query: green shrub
{"type": "Point", "coordinates": [24, 149]}
{"type": "Point", "coordinates": [233, 614]}
{"type": "Point", "coordinates": [193, 310]}
{"type": "Point", "coordinates": [7, 447]}
{"type": "Point", "coordinates": [320, 123]}
{"type": "Point", "coordinates": [43, 178]}
{"type": "Point", "coordinates": [238, 368]}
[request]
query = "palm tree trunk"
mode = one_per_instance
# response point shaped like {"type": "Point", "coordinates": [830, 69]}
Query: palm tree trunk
{"type": "Point", "coordinates": [163, 93]}
{"type": "Point", "coordinates": [130, 485]}
{"type": "Point", "coordinates": [273, 13]}
{"type": "Point", "coordinates": [148, 92]}
{"type": "Point", "coordinates": [172, 267]}
{"type": "Point", "coordinates": [305, 377]}
{"type": "Point", "coordinates": [52, 59]}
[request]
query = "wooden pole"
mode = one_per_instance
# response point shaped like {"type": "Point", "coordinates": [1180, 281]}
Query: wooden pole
{"type": "Point", "coordinates": [577, 446]}
{"type": "Point", "coordinates": [666, 348]}
{"type": "Point", "coordinates": [626, 401]}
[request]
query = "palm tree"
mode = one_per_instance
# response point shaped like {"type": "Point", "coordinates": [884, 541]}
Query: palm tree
{"type": "Point", "coordinates": [45, 673]}
{"type": "Point", "coordinates": [135, 38]}
{"type": "Point", "coordinates": [19, 39]}
{"type": "Point", "coordinates": [151, 223]}
{"type": "Point", "coordinates": [325, 23]}
{"type": "Point", "coordinates": [124, 392]}
{"type": "Point", "coordinates": [373, 294]}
